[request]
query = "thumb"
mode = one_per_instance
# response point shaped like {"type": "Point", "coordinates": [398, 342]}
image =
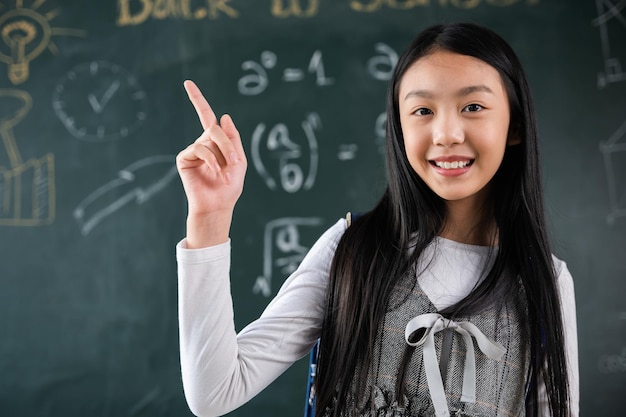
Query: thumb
{"type": "Point", "coordinates": [228, 126]}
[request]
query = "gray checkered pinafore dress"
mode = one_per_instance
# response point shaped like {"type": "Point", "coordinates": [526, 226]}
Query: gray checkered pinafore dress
{"type": "Point", "coordinates": [499, 383]}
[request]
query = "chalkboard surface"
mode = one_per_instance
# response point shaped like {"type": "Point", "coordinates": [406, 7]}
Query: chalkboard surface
{"type": "Point", "coordinates": [92, 114]}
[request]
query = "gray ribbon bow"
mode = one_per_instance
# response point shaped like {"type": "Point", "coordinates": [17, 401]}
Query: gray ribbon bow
{"type": "Point", "coordinates": [433, 323]}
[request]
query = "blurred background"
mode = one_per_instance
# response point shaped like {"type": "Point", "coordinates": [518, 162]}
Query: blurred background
{"type": "Point", "coordinates": [92, 114]}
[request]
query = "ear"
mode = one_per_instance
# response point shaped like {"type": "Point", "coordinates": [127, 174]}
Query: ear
{"type": "Point", "coordinates": [513, 139]}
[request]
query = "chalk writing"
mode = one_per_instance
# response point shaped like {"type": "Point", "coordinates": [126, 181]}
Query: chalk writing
{"type": "Point", "coordinates": [25, 33]}
{"type": "Point", "coordinates": [290, 157]}
{"type": "Point", "coordinates": [347, 152]}
{"type": "Point", "coordinates": [136, 12]}
{"type": "Point", "coordinates": [138, 182]}
{"type": "Point", "coordinates": [614, 154]}
{"type": "Point", "coordinates": [99, 101]}
{"type": "Point", "coordinates": [27, 194]}
{"type": "Point", "coordinates": [256, 81]}
{"type": "Point", "coordinates": [611, 22]}
{"type": "Point", "coordinates": [381, 66]}
{"type": "Point", "coordinates": [380, 129]}
{"type": "Point", "coordinates": [370, 6]}
{"type": "Point", "coordinates": [282, 250]}
{"type": "Point", "coordinates": [288, 8]}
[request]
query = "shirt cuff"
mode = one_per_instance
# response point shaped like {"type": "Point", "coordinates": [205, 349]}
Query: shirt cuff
{"type": "Point", "coordinates": [201, 255]}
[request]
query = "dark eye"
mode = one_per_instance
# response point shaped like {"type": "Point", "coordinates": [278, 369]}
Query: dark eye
{"type": "Point", "coordinates": [423, 111]}
{"type": "Point", "coordinates": [473, 107]}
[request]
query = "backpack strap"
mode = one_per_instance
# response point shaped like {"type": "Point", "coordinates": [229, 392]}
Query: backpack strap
{"type": "Point", "coordinates": [351, 217]}
{"type": "Point", "coordinates": [309, 406]}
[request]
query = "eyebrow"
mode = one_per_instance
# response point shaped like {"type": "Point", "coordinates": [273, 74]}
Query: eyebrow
{"type": "Point", "coordinates": [465, 91]}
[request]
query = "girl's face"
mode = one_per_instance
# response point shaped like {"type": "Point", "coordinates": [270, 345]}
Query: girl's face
{"type": "Point", "coordinates": [454, 113]}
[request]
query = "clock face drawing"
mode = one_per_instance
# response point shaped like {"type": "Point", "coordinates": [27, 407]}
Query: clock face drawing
{"type": "Point", "coordinates": [99, 101]}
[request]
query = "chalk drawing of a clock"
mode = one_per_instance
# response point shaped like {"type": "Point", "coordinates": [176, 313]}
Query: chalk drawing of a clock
{"type": "Point", "coordinates": [99, 101]}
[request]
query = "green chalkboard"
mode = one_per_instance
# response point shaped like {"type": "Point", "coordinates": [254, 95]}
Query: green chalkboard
{"type": "Point", "coordinates": [92, 114]}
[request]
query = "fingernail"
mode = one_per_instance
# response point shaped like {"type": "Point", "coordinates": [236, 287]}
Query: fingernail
{"type": "Point", "coordinates": [228, 177]}
{"type": "Point", "coordinates": [233, 157]}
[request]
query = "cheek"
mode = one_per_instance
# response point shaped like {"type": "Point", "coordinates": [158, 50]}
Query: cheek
{"type": "Point", "coordinates": [491, 136]}
{"type": "Point", "coordinates": [502, 139]}
{"type": "Point", "coordinates": [414, 138]}
{"type": "Point", "coordinates": [416, 149]}
{"type": "Point", "coordinates": [491, 151]}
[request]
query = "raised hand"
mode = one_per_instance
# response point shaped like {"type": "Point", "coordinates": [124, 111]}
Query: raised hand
{"type": "Point", "coordinates": [212, 170]}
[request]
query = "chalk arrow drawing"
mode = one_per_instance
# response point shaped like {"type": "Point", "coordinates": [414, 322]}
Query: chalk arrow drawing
{"type": "Point", "coordinates": [138, 182]}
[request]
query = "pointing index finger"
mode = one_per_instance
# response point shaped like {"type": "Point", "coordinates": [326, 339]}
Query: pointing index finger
{"type": "Point", "coordinates": [203, 109]}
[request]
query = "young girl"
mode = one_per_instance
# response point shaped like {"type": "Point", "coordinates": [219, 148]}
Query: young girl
{"type": "Point", "coordinates": [442, 300]}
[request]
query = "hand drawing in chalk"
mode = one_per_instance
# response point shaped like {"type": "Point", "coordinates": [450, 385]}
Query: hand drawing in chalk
{"type": "Point", "coordinates": [614, 153]}
{"type": "Point", "coordinates": [282, 250]}
{"type": "Point", "coordinates": [138, 183]}
{"type": "Point", "coordinates": [611, 22]}
{"type": "Point", "coordinates": [284, 159]}
{"type": "Point", "coordinates": [256, 80]}
{"type": "Point", "coordinates": [24, 34]}
{"type": "Point", "coordinates": [100, 101]}
{"type": "Point", "coordinates": [27, 193]}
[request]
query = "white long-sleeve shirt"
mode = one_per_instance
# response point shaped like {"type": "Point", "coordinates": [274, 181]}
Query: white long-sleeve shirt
{"type": "Point", "coordinates": [222, 370]}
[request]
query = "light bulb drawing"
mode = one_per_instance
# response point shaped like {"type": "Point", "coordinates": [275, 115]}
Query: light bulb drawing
{"type": "Point", "coordinates": [24, 34]}
{"type": "Point", "coordinates": [19, 32]}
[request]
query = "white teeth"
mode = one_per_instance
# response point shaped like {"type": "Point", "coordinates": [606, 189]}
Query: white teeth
{"type": "Point", "coordinates": [452, 165]}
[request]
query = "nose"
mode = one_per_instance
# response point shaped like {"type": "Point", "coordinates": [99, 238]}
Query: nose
{"type": "Point", "coordinates": [447, 130]}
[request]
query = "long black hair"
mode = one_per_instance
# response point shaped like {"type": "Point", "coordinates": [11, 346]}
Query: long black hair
{"type": "Point", "coordinates": [374, 252]}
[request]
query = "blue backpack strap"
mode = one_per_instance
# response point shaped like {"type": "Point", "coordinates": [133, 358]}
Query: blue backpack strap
{"type": "Point", "coordinates": [309, 406]}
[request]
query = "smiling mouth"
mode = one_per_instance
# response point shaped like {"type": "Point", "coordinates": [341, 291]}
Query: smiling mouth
{"type": "Point", "coordinates": [452, 164]}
